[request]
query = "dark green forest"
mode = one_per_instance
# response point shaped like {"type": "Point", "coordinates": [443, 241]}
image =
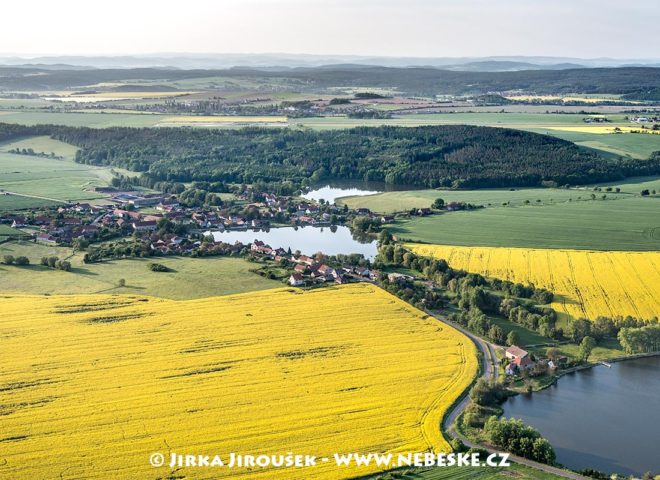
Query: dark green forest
{"type": "Point", "coordinates": [454, 156]}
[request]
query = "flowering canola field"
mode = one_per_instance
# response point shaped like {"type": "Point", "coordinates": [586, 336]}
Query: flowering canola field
{"type": "Point", "coordinates": [91, 385]}
{"type": "Point", "coordinates": [602, 129]}
{"type": "Point", "coordinates": [586, 283]}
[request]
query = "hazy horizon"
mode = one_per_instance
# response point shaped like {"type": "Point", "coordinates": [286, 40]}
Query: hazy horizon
{"type": "Point", "coordinates": [173, 54]}
{"type": "Point", "coordinates": [588, 29]}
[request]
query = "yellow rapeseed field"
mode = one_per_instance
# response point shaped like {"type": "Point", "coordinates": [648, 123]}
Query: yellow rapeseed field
{"type": "Point", "coordinates": [602, 129]}
{"type": "Point", "coordinates": [585, 283]}
{"type": "Point", "coordinates": [91, 385]}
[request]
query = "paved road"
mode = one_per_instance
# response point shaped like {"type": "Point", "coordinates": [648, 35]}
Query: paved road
{"type": "Point", "coordinates": [32, 196]}
{"type": "Point", "coordinates": [491, 371]}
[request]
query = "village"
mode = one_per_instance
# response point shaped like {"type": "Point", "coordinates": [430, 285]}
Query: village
{"type": "Point", "coordinates": [181, 225]}
{"type": "Point", "coordinates": [128, 214]}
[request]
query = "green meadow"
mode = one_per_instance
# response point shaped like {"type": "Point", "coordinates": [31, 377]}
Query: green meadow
{"type": "Point", "coordinates": [624, 224]}
{"type": "Point", "coordinates": [42, 145]}
{"type": "Point", "coordinates": [631, 145]}
{"type": "Point", "coordinates": [187, 278]}
{"type": "Point", "coordinates": [514, 471]}
{"type": "Point", "coordinates": [388, 202]}
{"type": "Point", "coordinates": [28, 181]}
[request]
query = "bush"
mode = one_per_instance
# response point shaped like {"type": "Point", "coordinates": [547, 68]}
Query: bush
{"type": "Point", "coordinates": [8, 260]}
{"type": "Point", "coordinates": [121, 282]}
{"type": "Point", "coordinates": [485, 394]}
{"type": "Point", "coordinates": [512, 338]}
{"type": "Point", "coordinates": [22, 260]}
{"type": "Point", "coordinates": [63, 265]}
{"type": "Point", "coordinates": [158, 267]}
{"type": "Point", "coordinates": [458, 446]}
{"type": "Point", "coordinates": [515, 437]}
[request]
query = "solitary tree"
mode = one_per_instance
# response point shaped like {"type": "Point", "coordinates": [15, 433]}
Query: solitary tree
{"type": "Point", "coordinates": [586, 347]}
{"type": "Point", "coordinates": [553, 354]}
{"type": "Point", "coordinates": [512, 338]}
{"type": "Point", "coordinates": [438, 204]}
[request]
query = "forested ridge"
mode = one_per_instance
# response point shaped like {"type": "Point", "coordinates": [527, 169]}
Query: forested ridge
{"type": "Point", "coordinates": [635, 82]}
{"type": "Point", "coordinates": [455, 156]}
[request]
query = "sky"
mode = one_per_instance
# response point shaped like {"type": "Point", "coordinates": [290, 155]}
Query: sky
{"type": "Point", "coordinates": [412, 28]}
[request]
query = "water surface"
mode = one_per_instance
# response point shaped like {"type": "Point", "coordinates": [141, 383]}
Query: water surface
{"type": "Point", "coordinates": [309, 240]}
{"type": "Point", "coordinates": [331, 191]}
{"type": "Point", "coordinates": [602, 418]}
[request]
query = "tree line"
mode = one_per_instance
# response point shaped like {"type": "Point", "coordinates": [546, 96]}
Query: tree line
{"type": "Point", "coordinates": [451, 156]}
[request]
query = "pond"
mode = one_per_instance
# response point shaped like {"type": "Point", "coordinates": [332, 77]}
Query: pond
{"type": "Point", "coordinates": [309, 240]}
{"type": "Point", "coordinates": [330, 192]}
{"type": "Point", "coordinates": [602, 418]}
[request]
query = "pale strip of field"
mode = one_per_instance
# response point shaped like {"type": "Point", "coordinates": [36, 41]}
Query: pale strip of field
{"type": "Point", "coordinates": [585, 283]}
{"type": "Point", "coordinates": [602, 129]}
{"type": "Point", "coordinates": [92, 385]}
{"type": "Point", "coordinates": [221, 119]}
{"type": "Point", "coordinates": [137, 94]}
{"type": "Point", "coordinates": [113, 96]}
{"type": "Point", "coordinates": [554, 98]}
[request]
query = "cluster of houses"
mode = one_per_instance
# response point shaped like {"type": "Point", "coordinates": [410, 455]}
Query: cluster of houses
{"type": "Point", "coordinates": [596, 120]}
{"type": "Point", "coordinates": [647, 119]}
{"type": "Point", "coordinates": [61, 225]}
{"type": "Point", "coordinates": [123, 216]}
{"type": "Point", "coordinates": [307, 270]}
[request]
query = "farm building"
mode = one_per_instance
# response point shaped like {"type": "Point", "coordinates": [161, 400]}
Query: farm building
{"type": "Point", "coordinates": [514, 352]}
{"type": "Point", "coordinates": [296, 280]}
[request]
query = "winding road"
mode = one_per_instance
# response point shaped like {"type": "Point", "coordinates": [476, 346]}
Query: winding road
{"type": "Point", "coordinates": [490, 371]}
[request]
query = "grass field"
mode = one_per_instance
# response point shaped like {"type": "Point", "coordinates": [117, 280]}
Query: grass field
{"type": "Point", "coordinates": [400, 201]}
{"type": "Point", "coordinates": [219, 120]}
{"type": "Point", "coordinates": [467, 473]}
{"type": "Point", "coordinates": [586, 284]}
{"type": "Point", "coordinates": [626, 224]}
{"type": "Point", "coordinates": [96, 384]}
{"type": "Point", "coordinates": [636, 184]}
{"type": "Point", "coordinates": [46, 180]}
{"type": "Point", "coordinates": [189, 278]}
{"type": "Point", "coordinates": [632, 145]}
{"type": "Point", "coordinates": [13, 202]}
{"type": "Point", "coordinates": [42, 144]}
{"type": "Point", "coordinates": [111, 96]}
{"type": "Point", "coordinates": [6, 230]}
{"type": "Point", "coordinates": [93, 120]}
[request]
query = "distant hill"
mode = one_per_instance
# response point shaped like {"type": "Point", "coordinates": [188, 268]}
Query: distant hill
{"type": "Point", "coordinates": [630, 81]}
{"type": "Point", "coordinates": [188, 61]}
{"type": "Point", "coordinates": [507, 66]}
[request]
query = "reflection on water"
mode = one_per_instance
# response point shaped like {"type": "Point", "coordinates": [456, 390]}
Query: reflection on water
{"type": "Point", "coordinates": [331, 194]}
{"type": "Point", "coordinates": [602, 418]}
{"type": "Point", "coordinates": [331, 191]}
{"type": "Point", "coordinates": [309, 240]}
